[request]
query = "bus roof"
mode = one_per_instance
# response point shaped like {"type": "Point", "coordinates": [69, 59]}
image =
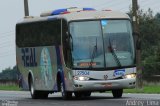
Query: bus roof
{"type": "Point", "coordinates": [81, 15]}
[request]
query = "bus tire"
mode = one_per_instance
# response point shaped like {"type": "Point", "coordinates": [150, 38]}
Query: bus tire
{"type": "Point", "coordinates": [65, 94]}
{"type": "Point", "coordinates": [117, 93]}
{"type": "Point", "coordinates": [36, 94]}
{"type": "Point", "coordinates": [78, 94]}
{"type": "Point", "coordinates": [87, 94]}
{"type": "Point", "coordinates": [33, 92]}
{"type": "Point", "coordinates": [42, 95]}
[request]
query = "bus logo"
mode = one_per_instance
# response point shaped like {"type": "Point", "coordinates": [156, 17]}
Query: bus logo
{"type": "Point", "coordinates": [105, 77]}
{"type": "Point", "coordinates": [118, 73]}
{"type": "Point", "coordinates": [29, 57]}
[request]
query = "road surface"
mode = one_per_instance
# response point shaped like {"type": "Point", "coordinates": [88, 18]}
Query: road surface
{"type": "Point", "coordinates": [23, 98]}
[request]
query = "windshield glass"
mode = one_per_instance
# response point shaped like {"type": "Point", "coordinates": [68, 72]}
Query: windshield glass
{"type": "Point", "coordinates": [102, 44]}
{"type": "Point", "coordinates": [87, 44]}
{"type": "Point", "coordinates": [118, 43]}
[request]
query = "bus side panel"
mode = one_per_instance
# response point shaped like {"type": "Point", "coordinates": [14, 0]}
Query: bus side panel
{"type": "Point", "coordinates": [23, 73]}
{"type": "Point", "coordinates": [42, 62]}
{"type": "Point", "coordinates": [68, 79]}
{"type": "Point", "coordinates": [67, 73]}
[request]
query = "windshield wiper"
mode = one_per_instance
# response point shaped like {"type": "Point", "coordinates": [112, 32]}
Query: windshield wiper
{"type": "Point", "coordinates": [93, 54]}
{"type": "Point", "coordinates": [114, 54]}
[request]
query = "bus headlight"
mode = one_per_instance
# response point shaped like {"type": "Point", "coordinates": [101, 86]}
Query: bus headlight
{"type": "Point", "coordinates": [81, 78]}
{"type": "Point", "coordinates": [129, 76]}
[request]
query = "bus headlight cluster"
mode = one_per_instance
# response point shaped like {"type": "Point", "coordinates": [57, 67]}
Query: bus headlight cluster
{"type": "Point", "coordinates": [81, 78]}
{"type": "Point", "coordinates": [129, 76]}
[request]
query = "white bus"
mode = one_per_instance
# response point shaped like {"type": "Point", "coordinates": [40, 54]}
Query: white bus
{"type": "Point", "coordinates": [76, 51]}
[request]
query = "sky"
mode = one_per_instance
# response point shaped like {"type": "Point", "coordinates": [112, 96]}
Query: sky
{"type": "Point", "coordinates": [12, 11]}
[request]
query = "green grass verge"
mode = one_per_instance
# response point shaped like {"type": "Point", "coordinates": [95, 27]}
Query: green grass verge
{"type": "Point", "coordinates": [10, 87]}
{"type": "Point", "coordinates": [149, 89]}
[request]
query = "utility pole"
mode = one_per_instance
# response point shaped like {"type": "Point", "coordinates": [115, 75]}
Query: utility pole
{"type": "Point", "coordinates": [26, 10]}
{"type": "Point", "coordinates": [138, 43]}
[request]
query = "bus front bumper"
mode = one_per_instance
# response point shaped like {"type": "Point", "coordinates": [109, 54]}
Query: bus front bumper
{"type": "Point", "coordinates": [104, 85]}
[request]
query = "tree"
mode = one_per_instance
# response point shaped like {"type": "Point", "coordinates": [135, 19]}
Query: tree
{"type": "Point", "coordinates": [149, 26]}
{"type": "Point", "coordinates": [150, 35]}
{"type": "Point", "coordinates": [9, 74]}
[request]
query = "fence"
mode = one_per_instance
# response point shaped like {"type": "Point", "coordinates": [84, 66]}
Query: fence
{"type": "Point", "coordinates": [8, 82]}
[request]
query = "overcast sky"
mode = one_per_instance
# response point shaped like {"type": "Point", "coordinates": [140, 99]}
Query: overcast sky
{"type": "Point", "coordinates": [11, 11]}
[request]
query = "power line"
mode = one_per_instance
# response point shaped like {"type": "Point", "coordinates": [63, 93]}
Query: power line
{"type": "Point", "coordinates": [143, 3]}
{"type": "Point", "coordinates": [104, 4]}
{"type": "Point", "coordinates": [6, 45]}
{"type": "Point", "coordinates": [7, 50]}
{"type": "Point", "coordinates": [156, 5]}
{"type": "Point", "coordinates": [3, 33]}
{"type": "Point", "coordinates": [9, 54]}
{"type": "Point", "coordinates": [11, 44]}
{"type": "Point", "coordinates": [146, 3]}
{"type": "Point", "coordinates": [6, 41]}
{"type": "Point", "coordinates": [125, 7]}
{"type": "Point", "coordinates": [6, 37]}
{"type": "Point", "coordinates": [114, 4]}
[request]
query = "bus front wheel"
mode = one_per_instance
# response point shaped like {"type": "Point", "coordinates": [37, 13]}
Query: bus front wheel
{"type": "Point", "coordinates": [87, 94]}
{"type": "Point", "coordinates": [80, 94]}
{"type": "Point", "coordinates": [117, 93]}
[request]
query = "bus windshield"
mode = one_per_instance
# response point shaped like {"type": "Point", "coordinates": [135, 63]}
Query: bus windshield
{"type": "Point", "coordinates": [102, 44]}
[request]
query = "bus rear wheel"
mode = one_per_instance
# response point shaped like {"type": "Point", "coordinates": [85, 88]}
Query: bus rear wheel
{"type": "Point", "coordinates": [117, 93]}
{"type": "Point", "coordinates": [36, 94]}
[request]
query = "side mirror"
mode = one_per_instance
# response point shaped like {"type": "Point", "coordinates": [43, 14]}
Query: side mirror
{"type": "Point", "coordinates": [137, 40]}
{"type": "Point", "coordinates": [69, 41]}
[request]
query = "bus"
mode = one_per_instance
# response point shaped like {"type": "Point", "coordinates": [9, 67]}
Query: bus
{"type": "Point", "coordinates": [76, 51]}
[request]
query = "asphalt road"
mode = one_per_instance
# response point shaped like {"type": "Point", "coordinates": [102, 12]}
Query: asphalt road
{"type": "Point", "coordinates": [23, 98]}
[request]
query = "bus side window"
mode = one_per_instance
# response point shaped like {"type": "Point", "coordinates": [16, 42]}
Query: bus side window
{"type": "Point", "coordinates": [42, 33]}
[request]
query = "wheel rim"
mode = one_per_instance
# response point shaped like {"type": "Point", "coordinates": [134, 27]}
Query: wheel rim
{"type": "Point", "coordinates": [32, 88]}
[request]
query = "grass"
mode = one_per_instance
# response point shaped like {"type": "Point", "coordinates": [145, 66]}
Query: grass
{"type": "Point", "coordinates": [149, 89]}
{"type": "Point", "coordinates": [10, 87]}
